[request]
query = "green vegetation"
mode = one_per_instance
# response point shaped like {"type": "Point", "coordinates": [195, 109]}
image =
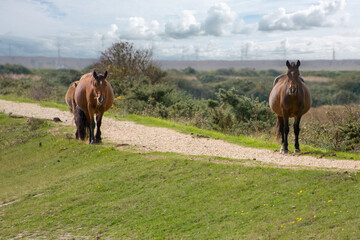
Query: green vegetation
{"type": "Point", "coordinates": [53, 186]}
{"type": "Point", "coordinates": [14, 69]}
{"type": "Point", "coordinates": [41, 103]}
{"type": "Point", "coordinates": [233, 102]}
{"type": "Point", "coordinates": [38, 85]}
{"type": "Point", "coordinates": [327, 88]}
{"type": "Point", "coordinates": [229, 112]}
{"type": "Point", "coordinates": [67, 188]}
{"type": "Point", "coordinates": [263, 141]}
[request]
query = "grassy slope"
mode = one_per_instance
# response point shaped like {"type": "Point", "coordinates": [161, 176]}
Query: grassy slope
{"type": "Point", "coordinates": [65, 187]}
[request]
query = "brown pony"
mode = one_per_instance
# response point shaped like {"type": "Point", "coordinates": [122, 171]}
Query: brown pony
{"type": "Point", "coordinates": [289, 98]}
{"type": "Point", "coordinates": [93, 95]}
{"type": "Point", "coordinates": [70, 96]}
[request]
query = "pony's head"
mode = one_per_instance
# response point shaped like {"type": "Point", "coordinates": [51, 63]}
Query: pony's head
{"type": "Point", "coordinates": [99, 86]}
{"type": "Point", "coordinates": [293, 77]}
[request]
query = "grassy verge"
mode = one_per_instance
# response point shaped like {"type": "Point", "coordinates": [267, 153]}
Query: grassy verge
{"type": "Point", "coordinates": [262, 143]}
{"type": "Point", "coordinates": [62, 107]}
{"type": "Point", "coordinates": [65, 188]}
{"type": "Point", "coordinates": [156, 122]}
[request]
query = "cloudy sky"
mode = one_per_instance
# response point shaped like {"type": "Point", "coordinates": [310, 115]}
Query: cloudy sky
{"type": "Point", "coordinates": [183, 30]}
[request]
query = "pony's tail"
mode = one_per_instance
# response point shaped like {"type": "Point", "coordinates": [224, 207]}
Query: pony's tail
{"type": "Point", "coordinates": [73, 106]}
{"type": "Point", "coordinates": [80, 122]}
{"type": "Point", "coordinates": [277, 129]}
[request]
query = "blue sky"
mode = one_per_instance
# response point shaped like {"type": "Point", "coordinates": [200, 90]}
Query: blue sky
{"type": "Point", "coordinates": [183, 30]}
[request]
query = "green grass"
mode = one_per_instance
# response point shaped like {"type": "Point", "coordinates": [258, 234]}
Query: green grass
{"type": "Point", "coordinates": [264, 143]}
{"type": "Point", "coordinates": [64, 187]}
{"type": "Point", "coordinates": [59, 106]}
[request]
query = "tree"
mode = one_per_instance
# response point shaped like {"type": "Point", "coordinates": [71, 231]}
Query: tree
{"type": "Point", "coordinates": [127, 64]}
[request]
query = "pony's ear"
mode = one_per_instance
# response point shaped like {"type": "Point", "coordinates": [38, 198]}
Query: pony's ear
{"type": "Point", "coordinates": [288, 64]}
{"type": "Point", "coordinates": [105, 74]}
{"type": "Point", "coordinates": [95, 75]}
{"type": "Point", "coordinates": [298, 63]}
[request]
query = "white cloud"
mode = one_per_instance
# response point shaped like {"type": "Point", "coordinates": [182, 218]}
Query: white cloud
{"type": "Point", "coordinates": [183, 30]}
{"type": "Point", "coordinates": [30, 19]}
{"type": "Point", "coordinates": [114, 31]}
{"type": "Point", "coordinates": [137, 28]}
{"type": "Point", "coordinates": [219, 18]}
{"type": "Point", "coordinates": [183, 26]}
{"type": "Point", "coordinates": [322, 15]}
{"type": "Point", "coordinates": [240, 27]}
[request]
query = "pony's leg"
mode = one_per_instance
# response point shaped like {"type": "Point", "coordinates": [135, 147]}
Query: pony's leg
{"type": "Point", "coordinates": [285, 133]}
{"type": "Point", "coordinates": [297, 131]}
{"type": "Point", "coordinates": [281, 128]}
{"type": "Point", "coordinates": [91, 125]}
{"type": "Point", "coordinates": [92, 129]}
{"type": "Point", "coordinates": [77, 130]}
{"type": "Point", "coordinates": [282, 132]}
{"type": "Point", "coordinates": [98, 124]}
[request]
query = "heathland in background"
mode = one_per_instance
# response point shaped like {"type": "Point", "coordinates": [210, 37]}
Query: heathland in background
{"type": "Point", "coordinates": [227, 100]}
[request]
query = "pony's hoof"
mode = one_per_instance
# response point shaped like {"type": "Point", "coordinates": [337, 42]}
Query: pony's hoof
{"type": "Point", "coordinates": [297, 151]}
{"type": "Point", "coordinates": [284, 151]}
{"type": "Point", "coordinates": [95, 142]}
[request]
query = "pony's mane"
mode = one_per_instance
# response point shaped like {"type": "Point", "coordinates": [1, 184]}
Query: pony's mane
{"type": "Point", "coordinates": [85, 75]}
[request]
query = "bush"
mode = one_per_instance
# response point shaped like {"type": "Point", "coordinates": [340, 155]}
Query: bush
{"type": "Point", "coordinates": [210, 78]}
{"type": "Point", "coordinates": [240, 114]}
{"type": "Point", "coordinates": [62, 77]}
{"type": "Point", "coordinates": [13, 68]}
{"type": "Point", "coordinates": [158, 100]}
{"type": "Point", "coordinates": [341, 131]}
{"type": "Point", "coordinates": [126, 64]}
{"type": "Point", "coordinates": [190, 71]}
{"type": "Point", "coordinates": [40, 91]}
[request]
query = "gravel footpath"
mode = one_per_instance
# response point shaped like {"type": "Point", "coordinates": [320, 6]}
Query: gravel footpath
{"type": "Point", "coordinates": [167, 140]}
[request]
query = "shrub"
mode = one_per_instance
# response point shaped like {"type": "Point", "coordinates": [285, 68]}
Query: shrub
{"type": "Point", "coordinates": [190, 71]}
{"type": "Point", "coordinates": [240, 114]}
{"type": "Point", "coordinates": [126, 64]}
{"type": "Point", "coordinates": [40, 91]}
{"type": "Point", "coordinates": [341, 131]}
{"type": "Point", "coordinates": [13, 68]}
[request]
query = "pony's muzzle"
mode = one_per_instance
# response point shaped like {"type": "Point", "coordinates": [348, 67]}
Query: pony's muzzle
{"type": "Point", "coordinates": [292, 90]}
{"type": "Point", "coordinates": [100, 100]}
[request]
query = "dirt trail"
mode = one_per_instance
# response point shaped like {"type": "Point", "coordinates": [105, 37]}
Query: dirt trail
{"type": "Point", "coordinates": [166, 140]}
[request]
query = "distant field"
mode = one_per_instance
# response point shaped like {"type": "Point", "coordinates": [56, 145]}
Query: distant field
{"type": "Point", "coordinates": [81, 63]}
{"type": "Point", "coordinates": [319, 65]}
{"type": "Point", "coordinates": [317, 79]}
